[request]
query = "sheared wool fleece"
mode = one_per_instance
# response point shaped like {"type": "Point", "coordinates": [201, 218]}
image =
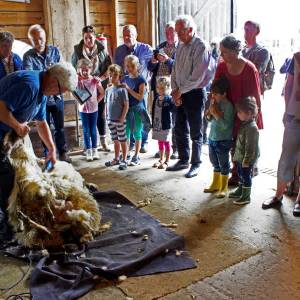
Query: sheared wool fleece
{"type": "Point", "coordinates": [48, 209]}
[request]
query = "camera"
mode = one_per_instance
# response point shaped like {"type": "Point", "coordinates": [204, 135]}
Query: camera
{"type": "Point", "coordinates": [155, 53]}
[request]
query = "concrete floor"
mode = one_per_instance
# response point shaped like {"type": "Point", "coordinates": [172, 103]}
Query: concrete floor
{"type": "Point", "coordinates": [267, 267]}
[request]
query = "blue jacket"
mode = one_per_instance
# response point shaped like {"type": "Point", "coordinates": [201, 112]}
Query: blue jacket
{"type": "Point", "coordinates": [154, 67]}
{"type": "Point", "coordinates": [168, 107]}
{"type": "Point", "coordinates": [18, 65]}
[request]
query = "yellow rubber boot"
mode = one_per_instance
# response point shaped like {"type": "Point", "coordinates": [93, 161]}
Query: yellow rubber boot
{"type": "Point", "coordinates": [215, 185]}
{"type": "Point", "coordinates": [223, 186]}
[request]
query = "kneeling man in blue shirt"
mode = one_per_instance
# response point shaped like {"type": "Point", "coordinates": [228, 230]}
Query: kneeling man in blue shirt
{"type": "Point", "coordinates": [23, 97]}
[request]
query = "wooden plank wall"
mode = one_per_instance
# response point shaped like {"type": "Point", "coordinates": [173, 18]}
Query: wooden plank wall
{"type": "Point", "coordinates": [100, 16]}
{"type": "Point", "coordinates": [17, 17]}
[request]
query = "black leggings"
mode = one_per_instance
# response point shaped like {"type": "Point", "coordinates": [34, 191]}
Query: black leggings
{"type": "Point", "coordinates": [101, 122]}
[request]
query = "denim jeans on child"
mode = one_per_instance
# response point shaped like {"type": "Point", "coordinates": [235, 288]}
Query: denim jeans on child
{"type": "Point", "coordinates": [89, 126]}
{"type": "Point", "coordinates": [245, 175]}
{"type": "Point", "coordinates": [219, 155]}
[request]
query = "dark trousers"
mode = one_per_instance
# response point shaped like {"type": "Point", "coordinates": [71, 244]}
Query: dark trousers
{"type": "Point", "coordinates": [55, 115]}
{"type": "Point", "coordinates": [174, 145]}
{"type": "Point", "coordinates": [101, 121]}
{"type": "Point", "coordinates": [6, 185]}
{"type": "Point", "coordinates": [245, 175]}
{"type": "Point", "coordinates": [6, 180]}
{"type": "Point", "coordinates": [189, 124]}
{"type": "Point", "coordinates": [219, 155]}
{"type": "Point", "coordinates": [204, 120]}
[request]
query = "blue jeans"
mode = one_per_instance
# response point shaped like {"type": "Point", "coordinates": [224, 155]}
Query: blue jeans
{"type": "Point", "coordinates": [219, 155]}
{"type": "Point", "coordinates": [89, 126]}
{"type": "Point", "coordinates": [189, 124]}
{"type": "Point", "coordinates": [245, 175]}
{"type": "Point", "coordinates": [55, 115]}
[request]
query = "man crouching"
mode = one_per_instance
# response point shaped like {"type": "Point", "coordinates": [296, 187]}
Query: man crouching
{"type": "Point", "coordinates": [23, 99]}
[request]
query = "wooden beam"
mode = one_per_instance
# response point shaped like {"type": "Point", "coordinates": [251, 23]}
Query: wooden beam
{"type": "Point", "coordinates": [114, 19]}
{"type": "Point", "coordinates": [67, 21]}
{"type": "Point", "coordinates": [48, 21]}
{"type": "Point", "coordinates": [145, 21]}
{"type": "Point", "coordinates": [86, 8]}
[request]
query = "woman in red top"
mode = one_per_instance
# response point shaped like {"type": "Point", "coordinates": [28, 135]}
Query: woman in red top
{"type": "Point", "coordinates": [243, 78]}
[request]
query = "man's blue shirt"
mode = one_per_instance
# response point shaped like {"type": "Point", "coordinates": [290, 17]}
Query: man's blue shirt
{"type": "Point", "coordinates": [144, 53]}
{"type": "Point", "coordinates": [18, 65]}
{"type": "Point", "coordinates": [32, 60]}
{"type": "Point", "coordinates": [22, 93]}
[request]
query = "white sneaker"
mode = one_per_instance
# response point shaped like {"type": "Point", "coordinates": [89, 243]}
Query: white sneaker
{"type": "Point", "coordinates": [95, 153]}
{"type": "Point", "coordinates": [89, 155]}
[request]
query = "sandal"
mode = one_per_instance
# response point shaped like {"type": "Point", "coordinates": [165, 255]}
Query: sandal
{"type": "Point", "coordinates": [163, 165]}
{"type": "Point", "coordinates": [111, 163]}
{"type": "Point", "coordinates": [157, 164]}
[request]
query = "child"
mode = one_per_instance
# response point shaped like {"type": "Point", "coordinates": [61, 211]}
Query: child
{"type": "Point", "coordinates": [116, 99]}
{"type": "Point", "coordinates": [135, 84]}
{"type": "Point", "coordinates": [89, 110]}
{"type": "Point", "coordinates": [221, 115]}
{"type": "Point", "coordinates": [246, 149]}
{"type": "Point", "coordinates": [162, 120]}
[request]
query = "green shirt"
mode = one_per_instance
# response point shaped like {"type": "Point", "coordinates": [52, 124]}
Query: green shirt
{"type": "Point", "coordinates": [246, 149]}
{"type": "Point", "coordinates": [221, 129]}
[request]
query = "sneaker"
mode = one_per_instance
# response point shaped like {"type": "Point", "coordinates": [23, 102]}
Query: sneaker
{"type": "Point", "coordinates": [135, 161]}
{"type": "Point", "coordinates": [143, 149]}
{"type": "Point", "coordinates": [123, 165]}
{"type": "Point", "coordinates": [89, 155]}
{"type": "Point", "coordinates": [95, 153]}
{"type": "Point", "coordinates": [128, 156]}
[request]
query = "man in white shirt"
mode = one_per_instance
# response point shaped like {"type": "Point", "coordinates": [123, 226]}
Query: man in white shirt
{"type": "Point", "coordinates": [192, 70]}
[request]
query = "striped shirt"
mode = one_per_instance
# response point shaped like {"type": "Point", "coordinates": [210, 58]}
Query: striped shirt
{"type": "Point", "coordinates": [194, 66]}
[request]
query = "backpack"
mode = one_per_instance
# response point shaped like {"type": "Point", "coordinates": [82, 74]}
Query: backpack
{"type": "Point", "coordinates": [269, 74]}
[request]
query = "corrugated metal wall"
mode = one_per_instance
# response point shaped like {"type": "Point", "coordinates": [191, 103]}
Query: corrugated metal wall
{"type": "Point", "coordinates": [212, 16]}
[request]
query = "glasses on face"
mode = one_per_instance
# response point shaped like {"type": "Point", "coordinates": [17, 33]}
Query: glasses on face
{"type": "Point", "coordinates": [183, 30]}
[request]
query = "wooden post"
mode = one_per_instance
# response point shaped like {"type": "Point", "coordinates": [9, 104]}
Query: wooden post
{"type": "Point", "coordinates": [48, 21]}
{"type": "Point", "coordinates": [66, 19]}
{"type": "Point", "coordinates": [114, 18]}
{"type": "Point", "coordinates": [86, 7]}
{"type": "Point", "coordinates": [145, 24]}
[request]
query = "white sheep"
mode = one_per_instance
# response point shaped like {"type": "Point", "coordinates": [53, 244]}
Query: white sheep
{"type": "Point", "coordinates": [48, 209]}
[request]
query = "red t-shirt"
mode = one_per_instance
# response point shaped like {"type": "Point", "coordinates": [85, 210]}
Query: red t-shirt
{"type": "Point", "coordinates": [243, 85]}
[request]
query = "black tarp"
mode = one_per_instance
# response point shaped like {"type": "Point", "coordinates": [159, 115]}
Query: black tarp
{"type": "Point", "coordinates": [135, 245]}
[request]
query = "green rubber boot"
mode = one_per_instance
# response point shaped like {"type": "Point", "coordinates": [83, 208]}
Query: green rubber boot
{"type": "Point", "coordinates": [245, 198]}
{"type": "Point", "coordinates": [237, 193]}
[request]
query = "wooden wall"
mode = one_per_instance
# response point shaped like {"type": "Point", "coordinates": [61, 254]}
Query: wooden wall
{"type": "Point", "coordinates": [17, 17]}
{"type": "Point", "coordinates": [102, 16]}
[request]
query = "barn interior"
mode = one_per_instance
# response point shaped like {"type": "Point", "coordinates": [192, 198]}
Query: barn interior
{"type": "Point", "coordinates": [240, 252]}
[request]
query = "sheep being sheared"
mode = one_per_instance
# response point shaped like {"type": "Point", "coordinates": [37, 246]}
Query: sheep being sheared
{"type": "Point", "coordinates": [48, 209]}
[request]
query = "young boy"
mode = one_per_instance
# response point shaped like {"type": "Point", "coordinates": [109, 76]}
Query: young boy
{"type": "Point", "coordinates": [246, 149]}
{"type": "Point", "coordinates": [117, 104]}
{"type": "Point", "coordinates": [221, 116]}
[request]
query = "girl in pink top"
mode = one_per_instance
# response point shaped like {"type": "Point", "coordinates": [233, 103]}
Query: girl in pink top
{"type": "Point", "coordinates": [89, 110]}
